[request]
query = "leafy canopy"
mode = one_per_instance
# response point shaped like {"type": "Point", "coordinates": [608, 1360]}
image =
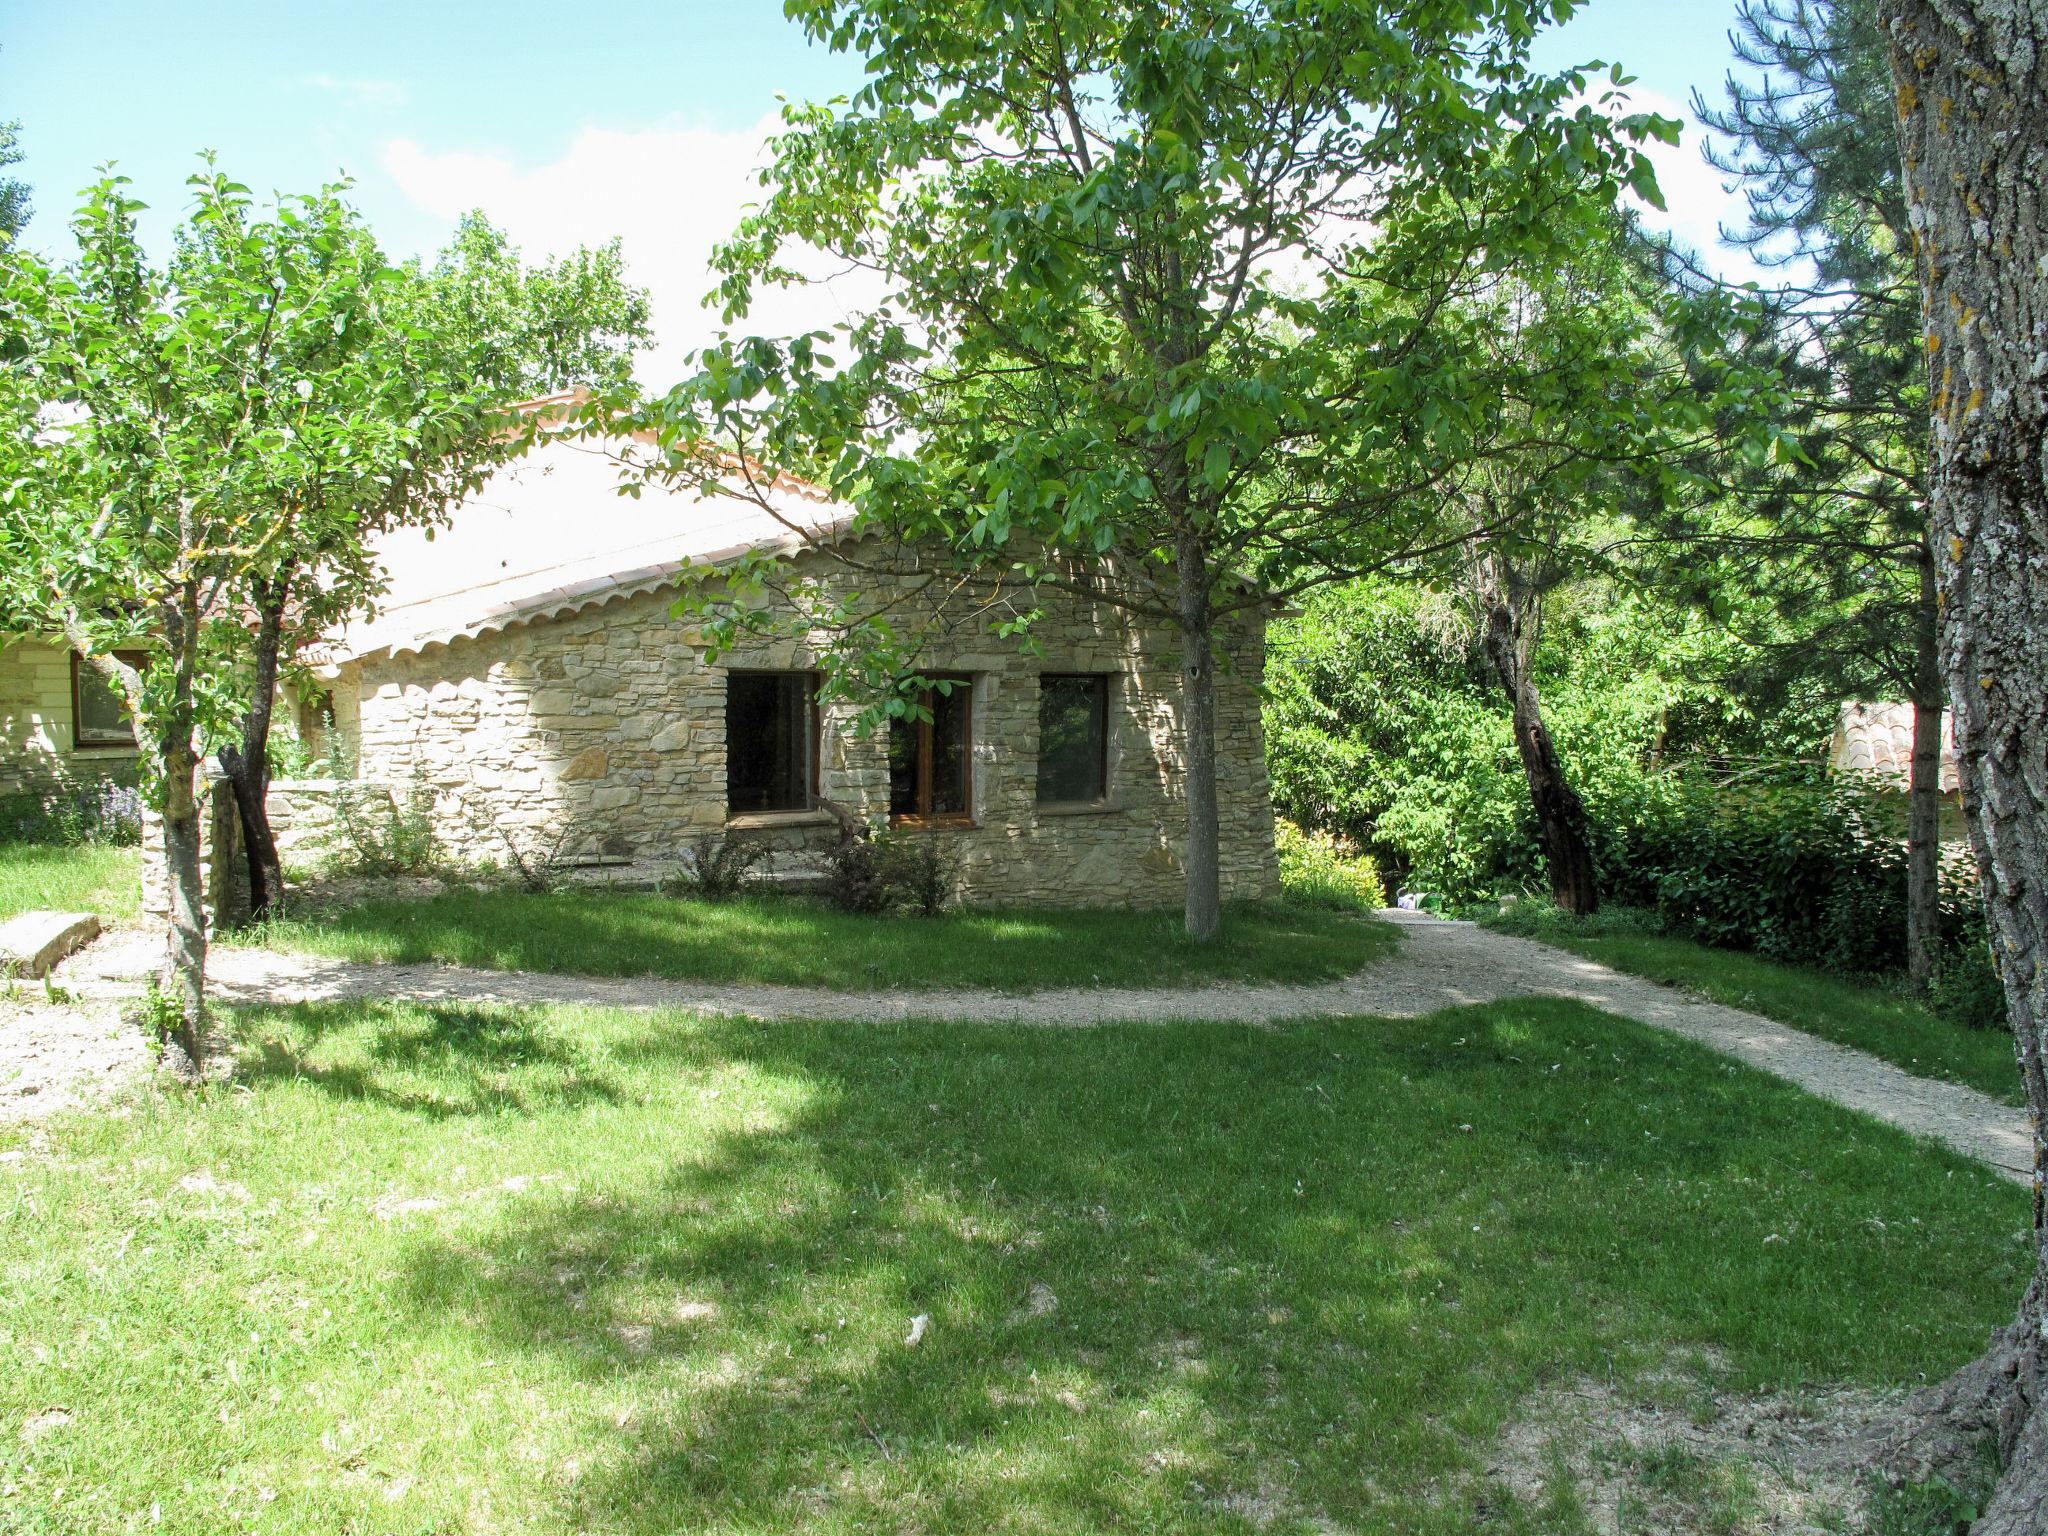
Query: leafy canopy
{"type": "Point", "coordinates": [1175, 284]}
{"type": "Point", "coordinates": [185, 442]}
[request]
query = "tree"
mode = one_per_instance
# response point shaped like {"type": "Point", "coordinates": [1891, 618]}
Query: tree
{"type": "Point", "coordinates": [1608, 400]}
{"type": "Point", "coordinates": [1171, 297]}
{"type": "Point", "coordinates": [477, 322]}
{"type": "Point", "coordinates": [1971, 97]}
{"type": "Point", "coordinates": [185, 444]}
{"type": "Point", "coordinates": [14, 201]}
{"type": "Point", "coordinates": [1836, 539]}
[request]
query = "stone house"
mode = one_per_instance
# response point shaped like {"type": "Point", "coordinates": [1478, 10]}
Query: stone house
{"type": "Point", "coordinates": [1873, 743]}
{"type": "Point", "coordinates": [60, 723]}
{"type": "Point", "coordinates": [527, 685]}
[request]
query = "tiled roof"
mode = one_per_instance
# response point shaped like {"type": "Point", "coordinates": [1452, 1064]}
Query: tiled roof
{"type": "Point", "coordinates": [1877, 739]}
{"type": "Point", "coordinates": [550, 535]}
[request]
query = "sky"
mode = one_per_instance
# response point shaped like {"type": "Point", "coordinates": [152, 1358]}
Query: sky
{"type": "Point", "coordinates": [567, 125]}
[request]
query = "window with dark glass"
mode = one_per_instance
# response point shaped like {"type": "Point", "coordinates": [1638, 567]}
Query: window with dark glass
{"type": "Point", "coordinates": [1073, 739]}
{"type": "Point", "coordinates": [929, 774]}
{"type": "Point", "coordinates": [99, 714]}
{"type": "Point", "coordinates": [770, 741]}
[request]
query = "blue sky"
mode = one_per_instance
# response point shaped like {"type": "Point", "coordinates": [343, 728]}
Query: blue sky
{"type": "Point", "coordinates": [567, 124]}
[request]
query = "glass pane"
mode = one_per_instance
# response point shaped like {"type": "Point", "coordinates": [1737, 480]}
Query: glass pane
{"type": "Point", "coordinates": [767, 741]}
{"type": "Point", "coordinates": [903, 737]}
{"type": "Point", "coordinates": [1072, 715]}
{"type": "Point", "coordinates": [950, 712]}
{"type": "Point", "coordinates": [102, 713]}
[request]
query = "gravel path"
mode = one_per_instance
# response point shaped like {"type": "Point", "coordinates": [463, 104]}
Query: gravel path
{"type": "Point", "coordinates": [1438, 965]}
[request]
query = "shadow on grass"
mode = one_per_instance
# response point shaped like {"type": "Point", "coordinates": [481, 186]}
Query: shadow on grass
{"type": "Point", "coordinates": [1198, 1278]}
{"type": "Point", "coordinates": [439, 1059]}
{"type": "Point", "coordinates": [799, 942]}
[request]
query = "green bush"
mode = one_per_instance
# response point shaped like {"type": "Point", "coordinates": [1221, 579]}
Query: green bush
{"type": "Point", "coordinates": [1966, 988]}
{"type": "Point", "coordinates": [920, 870]}
{"type": "Point", "coordinates": [1385, 726]}
{"type": "Point", "coordinates": [1320, 870]}
{"type": "Point", "coordinates": [857, 877]}
{"type": "Point", "coordinates": [1806, 873]}
{"type": "Point", "coordinates": [869, 875]}
{"type": "Point", "coordinates": [1711, 816]}
{"type": "Point", "coordinates": [720, 868]}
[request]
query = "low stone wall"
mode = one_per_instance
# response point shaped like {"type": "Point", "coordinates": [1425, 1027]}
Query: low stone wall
{"type": "Point", "coordinates": [303, 818]}
{"type": "Point", "coordinates": [223, 871]}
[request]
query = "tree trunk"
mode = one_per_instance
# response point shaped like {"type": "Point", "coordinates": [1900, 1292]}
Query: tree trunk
{"type": "Point", "coordinates": [1971, 82]}
{"type": "Point", "coordinates": [1198, 709]}
{"type": "Point", "coordinates": [182, 981]}
{"type": "Point", "coordinates": [248, 766]}
{"type": "Point", "coordinates": [1923, 803]}
{"type": "Point", "coordinates": [1561, 821]}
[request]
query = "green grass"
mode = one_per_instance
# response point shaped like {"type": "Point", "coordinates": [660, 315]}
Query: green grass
{"type": "Point", "coordinates": [441, 1269]}
{"type": "Point", "coordinates": [1886, 1024]}
{"type": "Point", "coordinates": [781, 940]}
{"type": "Point", "coordinates": [38, 876]}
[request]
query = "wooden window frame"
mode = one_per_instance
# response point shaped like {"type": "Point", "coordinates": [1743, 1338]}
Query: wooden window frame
{"type": "Point", "coordinates": [924, 816]}
{"type": "Point", "coordinates": [1102, 682]}
{"type": "Point", "coordinates": [814, 783]}
{"type": "Point", "coordinates": [80, 742]}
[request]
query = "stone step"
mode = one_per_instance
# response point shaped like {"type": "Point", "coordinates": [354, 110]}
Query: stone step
{"type": "Point", "coordinates": [33, 943]}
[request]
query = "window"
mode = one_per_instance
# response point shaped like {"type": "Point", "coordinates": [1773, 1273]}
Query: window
{"type": "Point", "coordinates": [1073, 739]}
{"type": "Point", "coordinates": [771, 742]}
{"type": "Point", "coordinates": [929, 766]}
{"type": "Point", "coordinates": [99, 714]}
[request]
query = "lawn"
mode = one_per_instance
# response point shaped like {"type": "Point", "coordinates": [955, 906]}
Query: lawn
{"type": "Point", "coordinates": [35, 876]}
{"type": "Point", "coordinates": [437, 1269]}
{"type": "Point", "coordinates": [605, 933]}
{"type": "Point", "coordinates": [1886, 1024]}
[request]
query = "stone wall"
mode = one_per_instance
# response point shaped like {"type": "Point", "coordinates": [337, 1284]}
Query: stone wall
{"type": "Point", "coordinates": [223, 871]}
{"type": "Point", "coordinates": [36, 750]}
{"type": "Point", "coordinates": [607, 723]}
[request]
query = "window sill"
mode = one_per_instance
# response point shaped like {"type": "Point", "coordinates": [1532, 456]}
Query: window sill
{"type": "Point", "coordinates": [1079, 808]}
{"type": "Point", "coordinates": [932, 823]}
{"type": "Point", "coordinates": [108, 747]}
{"type": "Point", "coordinates": [763, 821]}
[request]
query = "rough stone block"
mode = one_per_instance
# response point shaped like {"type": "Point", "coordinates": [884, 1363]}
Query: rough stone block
{"type": "Point", "coordinates": [33, 943]}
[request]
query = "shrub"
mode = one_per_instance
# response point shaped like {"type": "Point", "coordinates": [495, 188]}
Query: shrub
{"type": "Point", "coordinates": [1537, 917]}
{"type": "Point", "coordinates": [857, 878]}
{"type": "Point", "coordinates": [868, 875]}
{"type": "Point", "coordinates": [919, 871]}
{"type": "Point", "coordinates": [377, 832]}
{"type": "Point", "coordinates": [1966, 988]}
{"type": "Point", "coordinates": [97, 810]}
{"type": "Point", "coordinates": [718, 868]}
{"type": "Point", "coordinates": [1384, 725]}
{"type": "Point", "coordinates": [1320, 870]}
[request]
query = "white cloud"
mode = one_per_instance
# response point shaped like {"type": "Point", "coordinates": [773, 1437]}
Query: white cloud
{"type": "Point", "coordinates": [360, 92]}
{"type": "Point", "coordinates": [670, 193]}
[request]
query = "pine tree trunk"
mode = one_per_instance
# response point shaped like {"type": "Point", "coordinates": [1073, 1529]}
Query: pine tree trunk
{"type": "Point", "coordinates": [1562, 825]}
{"type": "Point", "coordinates": [1198, 710]}
{"type": "Point", "coordinates": [1923, 804]}
{"type": "Point", "coordinates": [1971, 82]}
{"type": "Point", "coordinates": [248, 766]}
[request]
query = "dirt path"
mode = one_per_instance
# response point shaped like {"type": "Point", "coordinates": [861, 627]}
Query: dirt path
{"type": "Point", "coordinates": [1438, 965]}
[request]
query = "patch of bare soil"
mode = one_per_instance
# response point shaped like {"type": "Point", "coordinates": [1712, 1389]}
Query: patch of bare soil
{"type": "Point", "coordinates": [58, 1053]}
{"type": "Point", "coordinates": [1676, 1457]}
